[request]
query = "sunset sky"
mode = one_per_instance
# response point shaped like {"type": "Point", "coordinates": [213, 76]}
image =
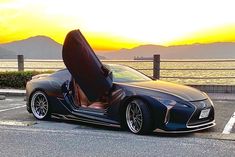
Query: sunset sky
{"type": "Point", "coordinates": [116, 24]}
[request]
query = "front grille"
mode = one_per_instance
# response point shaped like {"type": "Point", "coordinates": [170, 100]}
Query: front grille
{"type": "Point", "coordinates": [201, 105]}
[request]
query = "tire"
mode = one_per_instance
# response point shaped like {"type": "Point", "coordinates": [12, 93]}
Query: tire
{"type": "Point", "coordinates": [138, 118]}
{"type": "Point", "coordinates": [39, 105]}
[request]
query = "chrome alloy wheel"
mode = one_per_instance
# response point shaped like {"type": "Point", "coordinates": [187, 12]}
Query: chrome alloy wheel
{"type": "Point", "coordinates": [39, 105]}
{"type": "Point", "coordinates": [134, 117]}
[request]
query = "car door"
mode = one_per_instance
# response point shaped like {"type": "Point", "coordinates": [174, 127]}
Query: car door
{"type": "Point", "coordinates": [92, 76]}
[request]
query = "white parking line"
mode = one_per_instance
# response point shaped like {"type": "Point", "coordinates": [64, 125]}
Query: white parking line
{"type": "Point", "coordinates": [12, 108]}
{"type": "Point", "coordinates": [229, 126]}
{"type": "Point", "coordinates": [16, 123]}
{"type": "Point", "coordinates": [9, 100]}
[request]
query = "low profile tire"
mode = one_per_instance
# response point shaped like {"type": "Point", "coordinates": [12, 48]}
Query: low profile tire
{"type": "Point", "coordinates": [39, 105]}
{"type": "Point", "coordinates": [138, 118]}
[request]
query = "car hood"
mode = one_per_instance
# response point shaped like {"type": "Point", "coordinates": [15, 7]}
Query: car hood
{"type": "Point", "coordinates": [184, 92]}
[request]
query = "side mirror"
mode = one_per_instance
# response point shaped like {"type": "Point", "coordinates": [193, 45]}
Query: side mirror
{"type": "Point", "coordinates": [110, 75]}
{"type": "Point", "coordinates": [105, 71]}
{"type": "Point", "coordinates": [65, 87]}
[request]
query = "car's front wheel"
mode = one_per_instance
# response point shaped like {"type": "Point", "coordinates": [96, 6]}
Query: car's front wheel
{"type": "Point", "coordinates": [40, 105]}
{"type": "Point", "coordinates": [138, 118]}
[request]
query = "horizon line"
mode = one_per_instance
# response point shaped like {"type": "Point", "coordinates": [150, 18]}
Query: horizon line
{"type": "Point", "coordinates": [108, 50]}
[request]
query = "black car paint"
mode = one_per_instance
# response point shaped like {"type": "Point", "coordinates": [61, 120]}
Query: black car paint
{"type": "Point", "coordinates": [52, 84]}
{"type": "Point", "coordinates": [87, 70]}
{"type": "Point", "coordinates": [96, 81]}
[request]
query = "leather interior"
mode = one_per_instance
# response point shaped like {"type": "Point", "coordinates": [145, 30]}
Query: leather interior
{"type": "Point", "coordinates": [81, 99]}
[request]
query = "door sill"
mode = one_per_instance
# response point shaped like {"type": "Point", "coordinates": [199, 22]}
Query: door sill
{"type": "Point", "coordinates": [88, 110]}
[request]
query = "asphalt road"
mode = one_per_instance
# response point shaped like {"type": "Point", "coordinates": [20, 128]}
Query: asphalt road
{"type": "Point", "coordinates": [22, 135]}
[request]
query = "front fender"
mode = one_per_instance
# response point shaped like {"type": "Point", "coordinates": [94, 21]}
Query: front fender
{"type": "Point", "coordinates": [157, 110]}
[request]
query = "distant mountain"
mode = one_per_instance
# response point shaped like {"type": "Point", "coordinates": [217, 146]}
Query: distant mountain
{"type": "Point", "coordinates": [6, 54]}
{"type": "Point", "coordinates": [220, 50]}
{"type": "Point", "coordinates": [42, 47]}
{"type": "Point", "coordinates": [38, 47]}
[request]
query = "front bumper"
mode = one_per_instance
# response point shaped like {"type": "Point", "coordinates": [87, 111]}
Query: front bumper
{"type": "Point", "coordinates": [189, 128]}
{"type": "Point", "coordinates": [181, 120]}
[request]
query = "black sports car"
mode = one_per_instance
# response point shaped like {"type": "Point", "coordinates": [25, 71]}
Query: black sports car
{"type": "Point", "coordinates": [115, 95]}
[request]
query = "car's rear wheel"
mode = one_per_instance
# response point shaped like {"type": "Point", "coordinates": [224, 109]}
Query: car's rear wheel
{"type": "Point", "coordinates": [40, 105]}
{"type": "Point", "coordinates": [138, 118]}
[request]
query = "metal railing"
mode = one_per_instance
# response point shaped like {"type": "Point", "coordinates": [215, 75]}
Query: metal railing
{"type": "Point", "coordinates": [199, 69]}
{"type": "Point", "coordinates": [156, 66]}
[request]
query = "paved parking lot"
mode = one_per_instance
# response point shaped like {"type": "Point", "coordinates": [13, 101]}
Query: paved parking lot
{"type": "Point", "coordinates": [22, 135]}
{"type": "Point", "coordinates": [13, 112]}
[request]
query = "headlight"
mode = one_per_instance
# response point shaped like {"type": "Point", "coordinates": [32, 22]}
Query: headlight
{"type": "Point", "coordinates": [167, 102]}
{"type": "Point", "coordinates": [209, 99]}
{"type": "Point", "coordinates": [211, 102]}
{"type": "Point", "coordinates": [170, 103]}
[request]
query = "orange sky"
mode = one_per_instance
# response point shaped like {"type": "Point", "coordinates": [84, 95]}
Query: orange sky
{"type": "Point", "coordinates": [110, 25]}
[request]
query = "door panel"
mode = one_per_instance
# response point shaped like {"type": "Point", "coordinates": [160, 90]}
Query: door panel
{"type": "Point", "coordinates": [93, 78]}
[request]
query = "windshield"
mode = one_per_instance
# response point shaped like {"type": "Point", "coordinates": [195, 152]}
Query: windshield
{"type": "Point", "coordinates": [126, 74]}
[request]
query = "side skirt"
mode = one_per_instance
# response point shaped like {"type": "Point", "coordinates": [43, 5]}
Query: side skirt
{"type": "Point", "coordinates": [89, 116]}
{"type": "Point", "coordinates": [73, 118]}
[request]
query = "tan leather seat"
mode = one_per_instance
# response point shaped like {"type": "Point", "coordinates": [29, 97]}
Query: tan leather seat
{"type": "Point", "coordinates": [98, 105]}
{"type": "Point", "coordinates": [76, 97]}
{"type": "Point", "coordinates": [81, 99]}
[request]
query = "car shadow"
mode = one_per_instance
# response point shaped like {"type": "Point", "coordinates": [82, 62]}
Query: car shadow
{"type": "Point", "coordinates": [85, 125]}
{"type": "Point", "coordinates": [174, 135]}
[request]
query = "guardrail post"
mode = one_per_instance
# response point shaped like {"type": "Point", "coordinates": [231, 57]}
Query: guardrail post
{"type": "Point", "coordinates": [156, 66]}
{"type": "Point", "coordinates": [20, 59]}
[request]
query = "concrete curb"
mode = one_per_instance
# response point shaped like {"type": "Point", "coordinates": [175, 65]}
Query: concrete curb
{"type": "Point", "coordinates": [218, 136]}
{"type": "Point", "coordinates": [12, 92]}
{"type": "Point", "coordinates": [216, 88]}
{"type": "Point", "coordinates": [222, 96]}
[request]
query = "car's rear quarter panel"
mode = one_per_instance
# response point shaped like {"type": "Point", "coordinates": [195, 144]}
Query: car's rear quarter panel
{"type": "Point", "coordinates": [51, 85]}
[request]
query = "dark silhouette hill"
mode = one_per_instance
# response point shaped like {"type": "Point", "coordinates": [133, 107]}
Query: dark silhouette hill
{"type": "Point", "coordinates": [7, 54]}
{"type": "Point", "coordinates": [220, 50]}
{"type": "Point", "coordinates": [38, 47]}
{"type": "Point", "coordinates": [42, 47]}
